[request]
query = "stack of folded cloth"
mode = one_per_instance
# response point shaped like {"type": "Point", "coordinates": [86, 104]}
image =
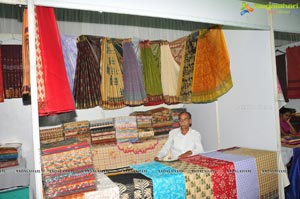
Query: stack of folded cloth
{"type": "Point", "coordinates": [79, 130]}
{"type": "Point", "coordinates": [67, 168]}
{"type": "Point", "coordinates": [126, 129]}
{"type": "Point", "coordinates": [162, 120]}
{"type": "Point", "coordinates": [103, 131]}
{"type": "Point", "coordinates": [51, 135]}
{"type": "Point", "coordinates": [291, 139]}
{"type": "Point", "coordinates": [10, 154]}
{"type": "Point", "coordinates": [175, 116]}
{"type": "Point", "coordinates": [144, 124]}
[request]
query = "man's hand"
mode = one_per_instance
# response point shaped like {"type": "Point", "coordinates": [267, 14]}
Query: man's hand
{"type": "Point", "coordinates": [186, 154]}
{"type": "Point", "coordinates": [156, 159]}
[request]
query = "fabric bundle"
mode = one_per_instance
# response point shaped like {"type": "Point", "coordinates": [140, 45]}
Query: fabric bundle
{"type": "Point", "coordinates": [162, 120]}
{"type": "Point", "coordinates": [293, 65]}
{"type": "Point", "coordinates": [126, 129]}
{"type": "Point", "coordinates": [10, 154]}
{"type": "Point", "coordinates": [150, 56]}
{"type": "Point", "coordinates": [79, 130]}
{"type": "Point", "coordinates": [70, 56]}
{"type": "Point", "coordinates": [146, 133]}
{"type": "Point", "coordinates": [87, 75]}
{"type": "Point", "coordinates": [12, 70]}
{"type": "Point", "coordinates": [112, 85]}
{"type": "Point", "coordinates": [51, 135]}
{"type": "Point", "coordinates": [143, 119]}
{"type": "Point", "coordinates": [169, 77]}
{"type": "Point", "coordinates": [266, 166]}
{"type": "Point", "coordinates": [103, 131]}
{"type": "Point", "coordinates": [54, 94]}
{"type": "Point", "coordinates": [67, 168]}
{"type": "Point", "coordinates": [134, 90]}
{"type": "Point", "coordinates": [211, 75]}
{"type": "Point", "coordinates": [124, 154]}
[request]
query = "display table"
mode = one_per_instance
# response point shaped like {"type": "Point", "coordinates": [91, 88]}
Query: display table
{"type": "Point", "coordinates": [124, 154]}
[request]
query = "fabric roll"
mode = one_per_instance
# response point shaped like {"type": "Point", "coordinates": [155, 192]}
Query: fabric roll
{"type": "Point", "coordinates": [70, 56]}
{"type": "Point", "coordinates": [87, 80]}
{"type": "Point", "coordinates": [198, 180]}
{"type": "Point", "coordinates": [25, 59]}
{"type": "Point", "coordinates": [185, 80]}
{"type": "Point", "coordinates": [293, 65]}
{"type": "Point", "coordinates": [211, 74]}
{"type": "Point", "coordinates": [112, 85]}
{"type": "Point", "coordinates": [1, 78]}
{"type": "Point", "coordinates": [56, 96]}
{"type": "Point", "coordinates": [224, 182]}
{"type": "Point", "coordinates": [150, 55]}
{"type": "Point", "coordinates": [169, 71]}
{"type": "Point", "coordinates": [167, 181]}
{"type": "Point", "coordinates": [245, 173]}
{"type": "Point", "coordinates": [282, 74]}
{"type": "Point", "coordinates": [134, 90]}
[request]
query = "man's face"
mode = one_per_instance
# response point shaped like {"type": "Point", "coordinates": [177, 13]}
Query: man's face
{"type": "Point", "coordinates": [184, 121]}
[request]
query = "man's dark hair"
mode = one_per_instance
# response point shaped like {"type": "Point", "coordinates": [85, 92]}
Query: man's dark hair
{"type": "Point", "coordinates": [185, 112]}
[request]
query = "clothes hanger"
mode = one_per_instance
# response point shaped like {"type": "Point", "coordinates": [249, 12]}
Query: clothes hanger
{"type": "Point", "coordinates": [280, 51]}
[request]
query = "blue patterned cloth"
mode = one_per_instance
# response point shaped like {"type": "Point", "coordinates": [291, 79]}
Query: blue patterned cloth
{"type": "Point", "coordinates": [70, 57]}
{"type": "Point", "coordinates": [245, 172]}
{"type": "Point", "coordinates": [167, 181]}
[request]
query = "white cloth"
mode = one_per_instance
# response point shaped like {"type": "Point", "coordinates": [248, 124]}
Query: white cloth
{"type": "Point", "coordinates": [178, 143]}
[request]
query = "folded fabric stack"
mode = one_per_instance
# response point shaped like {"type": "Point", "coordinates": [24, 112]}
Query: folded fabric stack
{"type": "Point", "coordinates": [103, 131]}
{"type": "Point", "coordinates": [266, 165]}
{"type": "Point", "coordinates": [10, 154]}
{"type": "Point", "coordinates": [143, 119]}
{"type": "Point", "coordinates": [162, 121]}
{"type": "Point", "coordinates": [67, 168]}
{"type": "Point", "coordinates": [51, 135]}
{"type": "Point", "coordinates": [126, 129]}
{"type": "Point", "coordinates": [144, 124]}
{"type": "Point", "coordinates": [291, 139]}
{"type": "Point", "coordinates": [79, 130]}
{"type": "Point", "coordinates": [175, 113]}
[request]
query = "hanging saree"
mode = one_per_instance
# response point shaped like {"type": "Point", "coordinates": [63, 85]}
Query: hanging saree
{"type": "Point", "coordinates": [70, 55]}
{"type": "Point", "coordinates": [293, 69]}
{"type": "Point", "coordinates": [150, 55]}
{"type": "Point", "coordinates": [184, 89]}
{"type": "Point", "coordinates": [25, 59]}
{"type": "Point", "coordinates": [54, 95]}
{"type": "Point", "coordinates": [112, 85]}
{"type": "Point", "coordinates": [1, 78]}
{"type": "Point", "coordinates": [134, 90]}
{"type": "Point", "coordinates": [87, 75]}
{"type": "Point", "coordinates": [211, 75]}
{"type": "Point", "coordinates": [12, 70]}
{"type": "Point", "coordinates": [169, 77]}
{"type": "Point", "coordinates": [178, 49]}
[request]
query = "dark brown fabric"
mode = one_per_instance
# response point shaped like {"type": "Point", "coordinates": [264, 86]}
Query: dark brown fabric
{"type": "Point", "coordinates": [293, 65]}
{"type": "Point", "coordinates": [281, 74]}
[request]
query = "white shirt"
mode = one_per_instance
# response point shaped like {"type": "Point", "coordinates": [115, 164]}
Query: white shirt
{"type": "Point", "coordinates": [178, 143]}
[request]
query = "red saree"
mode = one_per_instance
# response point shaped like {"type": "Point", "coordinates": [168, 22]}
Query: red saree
{"type": "Point", "coordinates": [1, 79]}
{"type": "Point", "coordinates": [54, 93]}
